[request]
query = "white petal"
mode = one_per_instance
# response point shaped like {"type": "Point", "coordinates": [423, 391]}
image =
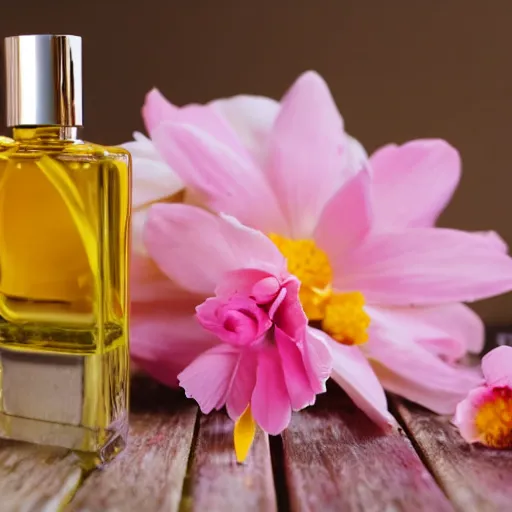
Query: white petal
{"type": "Point", "coordinates": [252, 118]}
{"type": "Point", "coordinates": [153, 179]}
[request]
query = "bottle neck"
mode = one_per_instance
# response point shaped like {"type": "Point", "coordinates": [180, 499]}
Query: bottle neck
{"type": "Point", "coordinates": [45, 133]}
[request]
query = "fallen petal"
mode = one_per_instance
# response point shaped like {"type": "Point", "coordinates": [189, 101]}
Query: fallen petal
{"type": "Point", "coordinates": [244, 432]}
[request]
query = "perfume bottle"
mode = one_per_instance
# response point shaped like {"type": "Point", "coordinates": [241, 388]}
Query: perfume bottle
{"type": "Point", "coordinates": [64, 249]}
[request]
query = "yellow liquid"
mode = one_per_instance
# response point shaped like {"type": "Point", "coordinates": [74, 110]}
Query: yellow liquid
{"type": "Point", "coordinates": [64, 248]}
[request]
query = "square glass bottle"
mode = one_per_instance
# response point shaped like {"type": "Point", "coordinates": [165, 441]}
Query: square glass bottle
{"type": "Point", "coordinates": [64, 255]}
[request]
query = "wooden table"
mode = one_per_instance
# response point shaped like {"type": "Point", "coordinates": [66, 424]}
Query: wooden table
{"type": "Point", "coordinates": [332, 458]}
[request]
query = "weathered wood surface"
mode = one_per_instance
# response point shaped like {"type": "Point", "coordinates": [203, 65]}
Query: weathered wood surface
{"type": "Point", "coordinates": [217, 483]}
{"type": "Point", "coordinates": [331, 458]}
{"type": "Point", "coordinates": [36, 479]}
{"type": "Point", "coordinates": [336, 459]}
{"type": "Point", "coordinates": [149, 475]}
{"type": "Point", "coordinates": [476, 479]}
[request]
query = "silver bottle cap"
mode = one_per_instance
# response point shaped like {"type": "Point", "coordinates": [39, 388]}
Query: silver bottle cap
{"type": "Point", "coordinates": [43, 80]}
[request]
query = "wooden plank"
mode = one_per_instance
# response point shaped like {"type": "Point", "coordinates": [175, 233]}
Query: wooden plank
{"type": "Point", "coordinates": [475, 478]}
{"type": "Point", "coordinates": [336, 459]}
{"type": "Point", "coordinates": [34, 479]}
{"type": "Point", "coordinates": [149, 475]}
{"type": "Point", "coordinates": [216, 482]}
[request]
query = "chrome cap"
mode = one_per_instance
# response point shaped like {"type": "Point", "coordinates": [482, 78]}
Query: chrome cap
{"type": "Point", "coordinates": [43, 80]}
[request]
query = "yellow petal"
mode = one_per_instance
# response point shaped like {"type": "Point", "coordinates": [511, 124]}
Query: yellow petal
{"type": "Point", "coordinates": [245, 430]}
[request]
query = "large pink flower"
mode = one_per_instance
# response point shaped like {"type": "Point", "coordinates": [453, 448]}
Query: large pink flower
{"type": "Point", "coordinates": [358, 234]}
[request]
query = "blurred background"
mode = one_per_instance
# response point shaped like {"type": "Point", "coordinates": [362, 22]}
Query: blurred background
{"type": "Point", "coordinates": [398, 70]}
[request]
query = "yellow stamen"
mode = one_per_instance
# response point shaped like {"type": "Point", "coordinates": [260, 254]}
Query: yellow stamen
{"type": "Point", "coordinates": [243, 435]}
{"type": "Point", "coordinates": [311, 266]}
{"type": "Point", "coordinates": [345, 319]}
{"type": "Point", "coordinates": [342, 314]}
{"type": "Point", "coordinates": [494, 419]}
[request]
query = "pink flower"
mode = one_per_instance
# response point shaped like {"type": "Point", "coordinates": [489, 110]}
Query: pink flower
{"type": "Point", "coordinates": [485, 415]}
{"type": "Point", "coordinates": [378, 279]}
{"type": "Point", "coordinates": [253, 353]}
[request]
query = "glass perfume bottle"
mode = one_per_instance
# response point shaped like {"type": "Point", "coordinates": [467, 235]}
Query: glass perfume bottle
{"type": "Point", "coordinates": [64, 249]}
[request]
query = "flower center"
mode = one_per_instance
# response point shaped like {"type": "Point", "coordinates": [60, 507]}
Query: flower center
{"type": "Point", "coordinates": [342, 315]}
{"type": "Point", "coordinates": [494, 419]}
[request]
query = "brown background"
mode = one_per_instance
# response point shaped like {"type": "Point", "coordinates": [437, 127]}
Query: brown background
{"type": "Point", "coordinates": [398, 70]}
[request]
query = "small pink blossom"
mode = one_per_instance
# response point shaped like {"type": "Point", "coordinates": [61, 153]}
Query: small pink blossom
{"type": "Point", "coordinates": [253, 337]}
{"type": "Point", "coordinates": [485, 415]}
{"type": "Point", "coordinates": [248, 303]}
{"type": "Point", "coordinates": [237, 320]}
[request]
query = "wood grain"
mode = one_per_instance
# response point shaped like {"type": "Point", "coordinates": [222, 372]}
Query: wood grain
{"type": "Point", "coordinates": [336, 459]}
{"type": "Point", "coordinates": [475, 478]}
{"type": "Point", "coordinates": [35, 479]}
{"type": "Point", "coordinates": [216, 482]}
{"type": "Point", "coordinates": [149, 475]}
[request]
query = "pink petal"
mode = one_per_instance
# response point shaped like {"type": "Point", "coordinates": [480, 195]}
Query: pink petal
{"type": "Point", "coordinates": [226, 181]}
{"type": "Point", "coordinates": [408, 369]}
{"type": "Point", "coordinates": [265, 290]}
{"type": "Point", "coordinates": [166, 337]}
{"type": "Point", "coordinates": [355, 157]}
{"type": "Point", "coordinates": [250, 248]}
{"type": "Point", "coordinates": [458, 321]}
{"type": "Point", "coordinates": [351, 371]}
{"type": "Point", "coordinates": [277, 302]}
{"type": "Point", "coordinates": [178, 237]}
{"type": "Point", "coordinates": [158, 110]}
{"type": "Point", "coordinates": [153, 179]}
{"type": "Point", "coordinates": [493, 237]}
{"type": "Point", "coordinates": [148, 283]}
{"type": "Point", "coordinates": [290, 316]}
{"type": "Point", "coordinates": [448, 331]}
{"type": "Point", "coordinates": [270, 404]}
{"type": "Point", "coordinates": [465, 414]}
{"type": "Point", "coordinates": [425, 266]}
{"type": "Point", "coordinates": [260, 285]}
{"type": "Point", "coordinates": [346, 218]}
{"type": "Point", "coordinates": [237, 320]}
{"type": "Point", "coordinates": [295, 376]}
{"type": "Point", "coordinates": [317, 357]}
{"type": "Point", "coordinates": [196, 249]}
{"type": "Point", "coordinates": [449, 349]}
{"type": "Point", "coordinates": [307, 144]}
{"type": "Point", "coordinates": [497, 367]}
{"type": "Point", "coordinates": [243, 383]}
{"type": "Point", "coordinates": [208, 378]}
{"type": "Point", "coordinates": [251, 118]}
{"type": "Point", "coordinates": [413, 183]}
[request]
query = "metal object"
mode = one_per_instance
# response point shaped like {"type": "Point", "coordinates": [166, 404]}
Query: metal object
{"type": "Point", "coordinates": [43, 80]}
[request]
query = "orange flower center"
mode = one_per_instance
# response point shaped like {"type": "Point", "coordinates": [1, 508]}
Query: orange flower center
{"type": "Point", "coordinates": [494, 419]}
{"type": "Point", "coordinates": [341, 314]}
